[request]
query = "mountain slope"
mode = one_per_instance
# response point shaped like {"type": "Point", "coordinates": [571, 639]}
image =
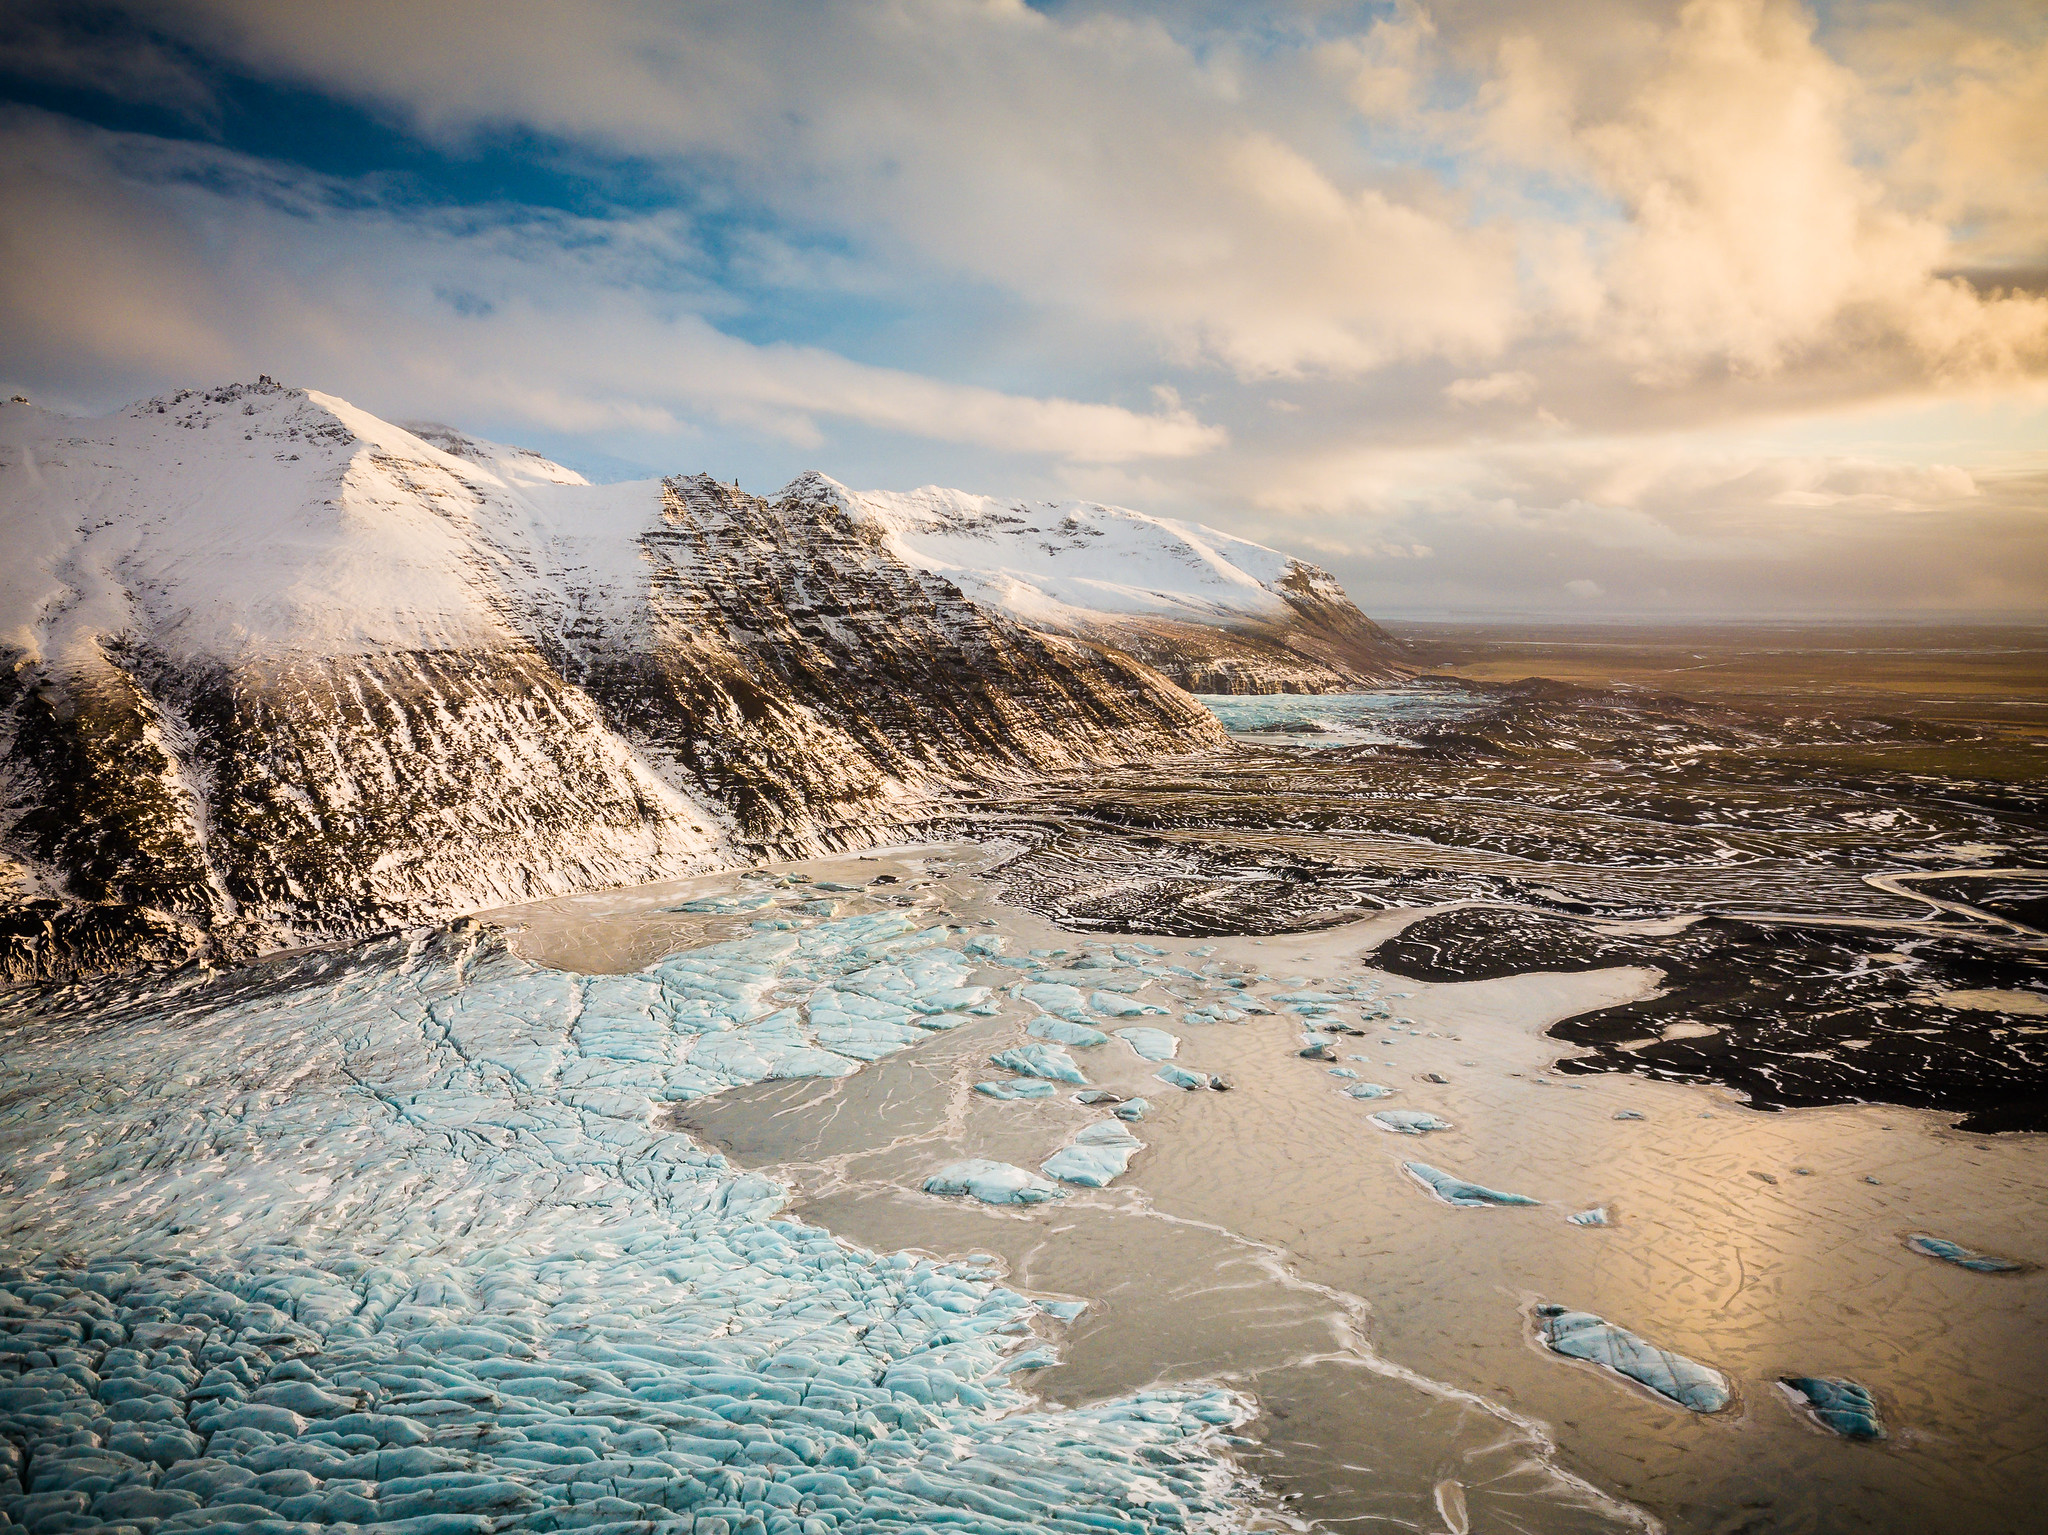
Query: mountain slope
{"type": "Point", "coordinates": [272, 669]}
{"type": "Point", "coordinates": [1215, 613]}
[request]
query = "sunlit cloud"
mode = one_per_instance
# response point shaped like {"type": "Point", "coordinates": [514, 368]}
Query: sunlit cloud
{"type": "Point", "coordinates": [1608, 286]}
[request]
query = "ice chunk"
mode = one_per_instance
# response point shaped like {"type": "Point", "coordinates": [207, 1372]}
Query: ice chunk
{"type": "Point", "coordinates": [1040, 1060]}
{"type": "Point", "coordinates": [1581, 1335]}
{"type": "Point", "coordinates": [1408, 1121]}
{"type": "Point", "coordinates": [1597, 1216]}
{"type": "Point", "coordinates": [1064, 1031]}
{"type": "Point", "coordinates": [1151, 1044]}
{"type": "Point", "coordinates": [1963, 1257]}
{"type": "Point", "coordinates": [1368, 1090]}
{"type": "Point", "coordinates": [1019, 1087]}
{"type": "Point", "coordinates": [985, 945]}
{"type": "Point", "coordinates": [1135, 1110]}
{"type": "Point", "coordinates": [1216, 1012]}
{"type": "Point", "coordinates": [993, 1183]}
{"type": "Point", "coordinates": [730, 905]}
{"type": "Point", "coordinates": [1099, 1153]}
{"type": "Point", "coordinates": [1060, 1000]}
{"type": "Point", "coordinates": [1113, 1006]}
{"type": "Point", "coordinates": [1180, 1076]}
{"type": "Point", "coordinates": [1626, 1114]}
{"type": "Point", "coordinates": [1842, 1406]}
{"type": "Point", "coordinates": [1065, 1310]}
{"type": "Point", "coordinates": [1456, 1191]}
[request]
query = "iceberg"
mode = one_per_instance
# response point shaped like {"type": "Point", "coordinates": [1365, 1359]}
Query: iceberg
{"type": "Point", "coordinates": [1581, 1335]}
{"type": "Point", "coordinates": [1840, 1406]}
{"type": "Point", "coordinates": [1408, 1121]}
{"type": "Point", "coordinates": [1053, 997]}
{"type": "Point", "coordinates": [1133, 1111]}
{"type": "Point", "coordinates": [1597, 1216]}
{"type": "Point", "coordinates": [1180, 1076]}
{"type": "Point", "coordinates": [1367, 1090]}
{"type": "Point", "coordinates": [1049, 1061]}
{"type": "Point", "coordinates": [1456, 1191]}
{"type": "Point", "coordinates": [1095, 1156]}
{"type": "Point", "coordinates": [993, 1183]}
{"type": "Point", "coordinates": [730, 905]}
{"type": "Point", "coordinates": [1151, 1044]}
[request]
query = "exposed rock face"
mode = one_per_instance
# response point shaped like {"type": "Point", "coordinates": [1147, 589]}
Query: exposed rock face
{"type": "Point", "coordinates": [1214, 613]}
{"type": "Point", "coordinates": [274, 670]}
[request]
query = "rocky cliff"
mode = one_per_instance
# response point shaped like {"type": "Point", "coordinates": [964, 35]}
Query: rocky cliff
{"type": "Point", "coordinates": [272, 670]}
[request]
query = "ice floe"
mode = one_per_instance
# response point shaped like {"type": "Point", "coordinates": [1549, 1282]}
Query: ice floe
{"type": "Point", "coordinates": [1841, 1406]}
{"type": "Point", "coordinates": [1017, 1087]}
{"type": "Point", "coordinates": [1408, 1121]}
{"type": "Point", "coordinates": [1581, 1335]}
{"type": "Point", "coordinates": [1456, 1191]}
{"type": "Point", "coordinates": [1150, 1044]}
{"type": "Point", "coordinates": [1368, 1090]}
{"type": "Point", "coordinates": [1064, 1031]}
{"type": "Point", "coordinates": [1111, 1005]}
{"type": "Point", "coordinates": [1180, 1076]}
{"type": "Point", "coordinates": [1095, 1156]}
{"type": "Point", "coordinates": [1597, 1216]}
{"type": "Point", "coordinates": [993, 1183]}
{"type": "Point", "coordinates": [1040, 1060]}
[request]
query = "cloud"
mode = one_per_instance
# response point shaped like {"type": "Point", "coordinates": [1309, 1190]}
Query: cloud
{"type": "Point", "coordinates": [1471, 300]}
{"type": "Point", "coordinates": [154, 262]}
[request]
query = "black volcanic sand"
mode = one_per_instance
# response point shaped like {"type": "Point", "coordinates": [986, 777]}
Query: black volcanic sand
{"type": "Point", "coordinates": [1806, 983]}
{"type": "Point", "coordinates": [1793, 1017]}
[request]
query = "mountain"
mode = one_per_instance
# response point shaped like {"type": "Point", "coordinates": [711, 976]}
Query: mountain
{"type": "Point", "coordinates": [1216, 614]}
{"type": "Point", "coordinates": [274, 670]}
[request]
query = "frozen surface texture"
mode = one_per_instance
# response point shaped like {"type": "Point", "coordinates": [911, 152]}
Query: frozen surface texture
{"type": "Point", "coordinates": [1456, 1191]}
{"type": "Point", "coordinates": [1581, 1335]}
{"type": "Point", "coordinates": [393, 1238]}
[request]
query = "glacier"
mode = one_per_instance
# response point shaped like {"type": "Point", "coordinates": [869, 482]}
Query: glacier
{"type": "Point", "coordinates": [391, 1238]}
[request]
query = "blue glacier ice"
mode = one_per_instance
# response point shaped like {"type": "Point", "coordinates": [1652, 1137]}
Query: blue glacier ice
{"type": "Point", "coordinates": [1597, 1216]}
{"type": "Point", "coordinates": [1180, 1076]}
{"type": "Point", "coordinates": [1095, 1156]}
{"type": "Point", "coordinates": [1134, 1110]}
{"type": "Point", "coordinates": [1456, 1191]}
{"type": "Point", "coordinates": [1581, 1335]}
{"type": "Point", "coordinates": [1407, 1121]}
{"type": "Point", "coordinates": [1368, 1090]}
{"type": "Point", "coordinates": [1064, 1031]}
{"type": "Point", "coordinates": [392, 1237]}
{"type": "Point", "coordinates": [1017, 1087]}
{"type": "Point", "coordinates": [993, 1183]}
{"type": "Point", "coordinates": [1151, 1044]}
{"type": "Point", "coordinates": [1841, 1406]}
{"type": "Point", "coordinates": [1057, 998]}
{"type": "Point", "coordinates": [1961, 1256]}
{"type": "Point", "coordinates": [1040, 1060]}
{"type": "Point", "coordinates": [1113, 1006]}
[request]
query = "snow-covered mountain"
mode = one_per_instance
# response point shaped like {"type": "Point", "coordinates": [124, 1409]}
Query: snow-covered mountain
{"type": "Point", "coordinates": [1215, 613]}
{"type": "Point", "coordinates": [273, 669]}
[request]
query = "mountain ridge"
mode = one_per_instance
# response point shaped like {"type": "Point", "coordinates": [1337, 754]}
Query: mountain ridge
{"type": "Point", "coordinates": [274, 670]}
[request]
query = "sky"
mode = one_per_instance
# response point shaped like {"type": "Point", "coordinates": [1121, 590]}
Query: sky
{"type": "Point", "coordinates": [1584, 310]}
